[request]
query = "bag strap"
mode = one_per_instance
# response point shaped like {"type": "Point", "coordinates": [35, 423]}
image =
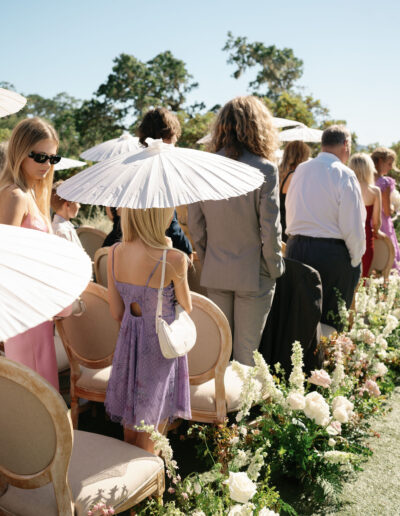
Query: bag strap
{"type": "Point", "coordinates": [160, 290]}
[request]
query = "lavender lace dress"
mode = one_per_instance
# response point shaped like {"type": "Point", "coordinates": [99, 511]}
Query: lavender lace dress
{"type": "Point", "coordinates": [143, 384]}
{"type": "Point", "coordinates": [387, 226]}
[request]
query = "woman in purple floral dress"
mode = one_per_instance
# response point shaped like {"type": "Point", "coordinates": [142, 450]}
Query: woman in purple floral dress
{"type": "Point", "coordinates": [384, 160]}
{"type": "Point", "coordinates": [145, 386]}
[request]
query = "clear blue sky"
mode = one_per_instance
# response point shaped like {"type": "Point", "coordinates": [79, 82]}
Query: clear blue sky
{"type": "Point", "coordinates": [350, 50]}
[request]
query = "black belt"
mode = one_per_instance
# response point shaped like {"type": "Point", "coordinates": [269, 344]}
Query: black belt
{"type": "Point", "coordinates": [337, 241]}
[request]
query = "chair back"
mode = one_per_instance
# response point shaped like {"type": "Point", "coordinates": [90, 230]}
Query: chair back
{"type": "Point", "coordinates": [383, 258]}
{"type": "Point", "coordinates": [100, 266]}
{"type": "Point", "coordinates": [35, 433]}
{"type": "Point", "coordinates": [194, 274]}
{"type": "Point", "coordinates": [90, 339]}
{"type": "Point", "coordinates": [91, 239]}
{"type": "Point", "coordinates": [211, 353]}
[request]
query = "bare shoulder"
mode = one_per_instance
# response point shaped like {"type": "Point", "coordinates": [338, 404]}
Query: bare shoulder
{"type": "Point", "coordinates": [375, 190]}
{"type": "Point", "coordinates": [177, 260]}
{"type": "Point", "coordinates": [13, 196]}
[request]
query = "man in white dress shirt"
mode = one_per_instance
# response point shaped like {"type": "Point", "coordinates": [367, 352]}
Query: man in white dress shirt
{"type": "Point", "coordinates": [325, 217]}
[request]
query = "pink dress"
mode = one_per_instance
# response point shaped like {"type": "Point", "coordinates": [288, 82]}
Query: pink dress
{"type": "Point", "coordinates": [35, 347]}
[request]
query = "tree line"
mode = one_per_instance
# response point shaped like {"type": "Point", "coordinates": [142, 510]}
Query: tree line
{"type": "Point", "coordinates": [134, 86]}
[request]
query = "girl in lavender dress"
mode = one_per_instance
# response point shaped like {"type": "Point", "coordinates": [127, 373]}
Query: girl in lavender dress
{"type": "Point", "coordinates": [145, 386]}
{"type": "Point", "coordinates": [384, 160]}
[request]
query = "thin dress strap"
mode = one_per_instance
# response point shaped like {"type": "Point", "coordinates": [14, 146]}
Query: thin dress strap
{"type": "Point", "coordinates": [153, 271]}
{"type": "Point", "coordinates": [112, 260]}
{"type": "Point", "coordinates": [284, 181]}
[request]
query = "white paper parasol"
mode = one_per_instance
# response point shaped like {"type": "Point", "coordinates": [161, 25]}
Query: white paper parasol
{"type": "Point", "coordinates": [40, 274]}
{"type": "Point", "coordinates": [277, 122]}
{"type": "Point", "coordinates": [303, 133]}
{"type": "Point", "coordinates": [112, 148]}
{"type": "Point", "coordinates": [10, 102]}
{"type": "Point", "coordinates": [66, 163]}
{"type": "Point", "coordinates": [161, 176]}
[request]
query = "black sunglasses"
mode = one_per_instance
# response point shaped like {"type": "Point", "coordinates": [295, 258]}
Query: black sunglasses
{"type": "Point", "coordinates": [42, 157]}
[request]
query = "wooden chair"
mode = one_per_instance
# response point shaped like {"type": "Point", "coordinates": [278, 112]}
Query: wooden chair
{"type": "Point", "coordinates": [48, 469]}
{"type": "Point", "coordinates": [89, 341]}
{"type": "Point", "coordinates": [194, 274]}
{"type": "Point", "coordinates": [91, 239]}
{"type": "Point", "coordinates": [100, 266]}
{"type": "Point", "coordinates": [214, 387]}
{"type": "Point", "coordinates": [283, 249]}
{"type": "Point", "coordinates": [383, 258]}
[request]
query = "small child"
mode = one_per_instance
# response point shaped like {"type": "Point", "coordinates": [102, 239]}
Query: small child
{"type": "Point", "coordinates": [64, 211]}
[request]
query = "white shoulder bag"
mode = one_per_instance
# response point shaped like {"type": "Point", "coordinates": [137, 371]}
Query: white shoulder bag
{"type": "Point", "coordinates": [178, 338]}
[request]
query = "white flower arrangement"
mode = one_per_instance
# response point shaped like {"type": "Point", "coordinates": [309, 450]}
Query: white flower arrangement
{"type": "Point", "coordinates": [242, 510]}
{"type": "Point", "coordinates": [316, 408]}
{"type": "Point", "coordinates": [241, 488]}
{"type": "Point", "coordinates": [296, 378]}
{"type": "Point", "coordinates": [342, 409]}
{"type": "Point", "coordinates": [338, 457]}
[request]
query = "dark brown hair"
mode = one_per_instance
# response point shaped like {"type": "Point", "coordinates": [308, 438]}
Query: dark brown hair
{"type": "Point", "coordinates": [295, 153]}
{"type": "Point", "coordinates": [158, 124]}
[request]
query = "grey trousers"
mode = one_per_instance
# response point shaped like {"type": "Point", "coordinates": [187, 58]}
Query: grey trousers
{"type": "Point", "coordinates": [247, 314]}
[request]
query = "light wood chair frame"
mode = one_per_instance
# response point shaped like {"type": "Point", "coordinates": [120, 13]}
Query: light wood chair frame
{"type": "Point", "coordinates": [97, 257]}
{"type": "Point", "coordinates": [217, 371]}
{"type": "Point", "coordinates": [76, 360]}
{"type": "Point", "coordinates": [56, 471]}
{"type": "Point", "coordinates": [386, 270]}
{"type": "Point", "coordinates": [91, 229]}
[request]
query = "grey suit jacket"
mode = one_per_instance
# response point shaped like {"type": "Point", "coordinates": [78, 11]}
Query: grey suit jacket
{"type": "Point", "coordinates": [237, 238]}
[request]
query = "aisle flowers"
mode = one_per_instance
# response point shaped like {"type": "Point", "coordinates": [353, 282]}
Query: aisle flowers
{"type": "Point", "coordinates": [311, 429]}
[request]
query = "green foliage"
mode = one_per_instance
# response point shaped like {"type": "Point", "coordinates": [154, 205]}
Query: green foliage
{"type": "Point", "coordinates": [279, 68]}
{"type": "Point", "coordinates": [135, 86]}
{"type": "Point", "coordinates": [194, 127]}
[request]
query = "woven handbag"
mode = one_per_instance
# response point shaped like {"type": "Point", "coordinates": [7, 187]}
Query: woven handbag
{"type": "Point", "coordinates": [178, 338]}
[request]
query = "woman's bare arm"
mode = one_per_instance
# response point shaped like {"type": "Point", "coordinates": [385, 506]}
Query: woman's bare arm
{"type": "Point", "coordinates": [377, 210]}
{"type": "Point", "coordinates": [386, 202]}
{"type": "Point", "coordinates": [13, 206]}
{"type": "Point", "coordinates": [117, 307]}
{"type": "Point", "coordinates": [179, 266]}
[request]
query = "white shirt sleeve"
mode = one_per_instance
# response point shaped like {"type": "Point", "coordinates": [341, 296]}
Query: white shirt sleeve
{"type": "Point", "coordinates": [352, 216]}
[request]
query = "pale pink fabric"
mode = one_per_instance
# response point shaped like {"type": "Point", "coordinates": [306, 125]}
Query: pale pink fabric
{"type": "Point", "coordinates": [35, 347]}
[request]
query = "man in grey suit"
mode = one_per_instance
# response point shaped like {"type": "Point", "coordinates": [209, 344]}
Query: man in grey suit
{"type": "Point", "coordinates": [238, 242]}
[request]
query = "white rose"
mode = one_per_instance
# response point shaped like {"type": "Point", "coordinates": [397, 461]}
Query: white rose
{"type": "Point", "coordinates": [267, 512]}
{"type": "Point", "coordinates": [198, 513]}
{"type": "Point", "coordinates": [316, 408]}
{"type": "Point", "coordinates": [234, 440]}
{"type": "Point", "coordinates": [241, 488]}
{"type": "Point", "coordinates": [296, 401]}
{"type": "Point", "coordinates": [341, 414]}
{"type": "Point", "coordinates": [341, 401]}
{"type": "Point", "coordinates": [242, 510]}
{"type": "Point", "coordinates": [331, 442]}
{"type": "Point", "coordinates": [380, 369]}
{"type": "Point", "coordinates": [381, 342]}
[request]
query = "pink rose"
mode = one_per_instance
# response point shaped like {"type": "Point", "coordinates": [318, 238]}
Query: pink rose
{"type": "Point", "coordinates": [320, 377]}
{"type": "Point", "coordinates": [185, 496]}
{"type": "Point", "coordinates": [171, 490]}
{"type": "Point", "coordinates": [334, 428]}
{"type": "Point", "coordinates": [346, 343]}
{"type": "Point", "coordinates": [372, 388]}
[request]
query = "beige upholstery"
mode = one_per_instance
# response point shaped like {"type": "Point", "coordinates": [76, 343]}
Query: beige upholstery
{"type": "Point", "coordinates": [61, 355]}
{"type": "Point", "coordinates": [38, 465]}
{"type": "Point", "coordinates": [91, 239]}
{"type": "Point", "coordinates": [208, 362]}
{"type": "Point", "coordinates": [326, 330]}
{"type": "Point", "coordinates": [100, 266]}
{"type": "Point", "coordinates": [383, 257]}
{"type": "Point", "coordinates": [89, 341]}
{"type": "Point", "coordinates": [194, 274]}
{"type": "Point", "coordinates": [202, 397]}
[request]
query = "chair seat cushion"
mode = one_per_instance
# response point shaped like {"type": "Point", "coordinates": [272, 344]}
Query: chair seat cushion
{"type": "Point", "coordinates": [94, 379]}
{"type": "Point", "coordinates": [202, 397]}
{"type": "Point", "coordinates": [102, 469]}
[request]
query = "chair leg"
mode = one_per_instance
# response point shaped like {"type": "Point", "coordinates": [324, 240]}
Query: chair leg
{"type": "Point", "coordinates": [74, 412]}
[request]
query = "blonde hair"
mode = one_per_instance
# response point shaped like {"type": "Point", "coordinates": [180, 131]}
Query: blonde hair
{"type": "Point", "coordinates": [23, 138]}
{"type": "Point", "coordinates": [295, 153]}
{"type": "Point", "coordinates": [363, 167]}
{"type": "Point", "coordinates": [244, 123]}
{"type": "Point", "coordinates": [384, 154]}
{"type": "Point", "coordinates": [147, 225]}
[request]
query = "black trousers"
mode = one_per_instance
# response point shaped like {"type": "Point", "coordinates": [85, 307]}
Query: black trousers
{"type": "Point", "coordinates": [330, 257]}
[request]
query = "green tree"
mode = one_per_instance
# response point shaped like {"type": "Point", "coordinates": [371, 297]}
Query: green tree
{"type": "Point", "coordinates": [194, 126]}
{"type": "Point", "coordinates": [136, 86]}
{"type": "Point", "coordinates": [278, 70]}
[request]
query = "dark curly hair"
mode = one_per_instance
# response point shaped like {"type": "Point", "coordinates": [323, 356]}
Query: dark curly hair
{"type": "Point", "coordinates": [158, 124]}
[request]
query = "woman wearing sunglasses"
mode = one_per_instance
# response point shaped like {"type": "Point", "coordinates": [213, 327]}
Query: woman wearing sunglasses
{"type": "Point", "coordinates": [25, 190]}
